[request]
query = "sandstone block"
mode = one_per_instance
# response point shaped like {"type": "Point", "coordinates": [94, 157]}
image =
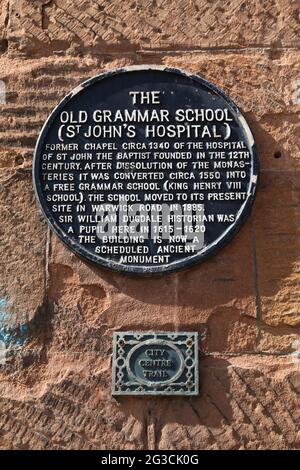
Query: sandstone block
{"type": "Point", "coordinates": [41, 28]}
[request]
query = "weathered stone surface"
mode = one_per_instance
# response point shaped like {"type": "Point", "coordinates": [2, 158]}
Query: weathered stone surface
{"type": "Point", "coordinates": [131, 302]}
{"type": "Point", "coordinates": [265, 90]}
{"type": "Point", "coordinates": [22, 240]}
{"type": "Point", "coordinates": [190, 300]}
{"type": "Point", "coordinates": [43, 26]}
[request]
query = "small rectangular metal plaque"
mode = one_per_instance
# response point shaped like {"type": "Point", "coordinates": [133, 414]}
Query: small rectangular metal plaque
{"type": "Point", "coordinates": [155, 363]}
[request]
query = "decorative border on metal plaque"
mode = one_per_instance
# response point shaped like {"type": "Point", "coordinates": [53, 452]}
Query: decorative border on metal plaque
{"type": "Point", "coordinates": [126, 345]}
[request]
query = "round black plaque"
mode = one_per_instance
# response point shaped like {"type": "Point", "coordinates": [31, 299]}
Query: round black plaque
{"type": "Point", "coordinates": [145, 169]}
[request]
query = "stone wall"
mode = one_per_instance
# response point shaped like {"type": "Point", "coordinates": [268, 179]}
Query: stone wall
{"type": "Point", "coordinates": [57, 313]}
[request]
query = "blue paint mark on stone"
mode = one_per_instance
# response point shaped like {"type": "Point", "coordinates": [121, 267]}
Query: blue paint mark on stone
{"type": "Point", "coordinates": [13, 332]}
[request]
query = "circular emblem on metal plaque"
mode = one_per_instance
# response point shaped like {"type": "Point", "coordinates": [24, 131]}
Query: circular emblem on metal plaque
{"type": "Point", "coordinates": [145, 169]}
